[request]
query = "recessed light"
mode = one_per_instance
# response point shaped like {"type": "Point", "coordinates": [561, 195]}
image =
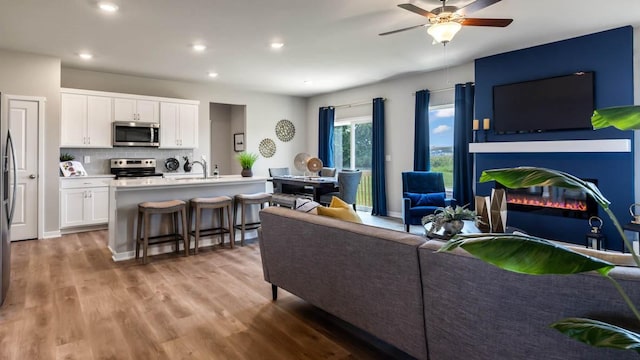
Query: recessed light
{"type": "Point", "coordinates": [85, 55]}
{"type": "Point", "coordinates": [199, 47]}
{"type": "Point", "coordinates": [277, 45]}
{"type": "Point", "coordinates": [108, 7]}
{"type": "Point", "coordinates": [212, 74]}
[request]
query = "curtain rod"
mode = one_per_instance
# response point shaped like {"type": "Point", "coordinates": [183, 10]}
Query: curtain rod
{"type": "Point", "coordinates": [359, 103]}
{"type": "Point", "coordinates": [441, 90]}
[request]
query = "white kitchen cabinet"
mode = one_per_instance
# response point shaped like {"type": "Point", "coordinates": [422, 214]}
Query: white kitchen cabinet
{"type": "Point", "coordinates": [85, 121]}
{"type": "Point", "coordinates": [84, 201]}
{"type": "Point", "coordinates": [126, 109]}
{"type": "Point", "coordinates": [178, 126]}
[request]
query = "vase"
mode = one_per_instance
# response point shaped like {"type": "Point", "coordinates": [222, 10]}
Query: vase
{"type": "Point", "coordinates": [187, 166]}
{"type": "Point", "coordinates": [452, 227]}
{"type": "Point", "coordinates": [246, 173]}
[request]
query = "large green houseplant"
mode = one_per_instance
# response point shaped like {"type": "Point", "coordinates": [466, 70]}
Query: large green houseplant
{"type": "Point", "coordinates": [531, 255]}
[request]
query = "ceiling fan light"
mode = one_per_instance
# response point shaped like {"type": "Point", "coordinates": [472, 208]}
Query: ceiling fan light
{"type": "Point", "coordinates": [445, 31]}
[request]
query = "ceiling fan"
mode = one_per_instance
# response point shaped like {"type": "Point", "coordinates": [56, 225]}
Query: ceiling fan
{"type": "Point", "coordinates": [445, 21]}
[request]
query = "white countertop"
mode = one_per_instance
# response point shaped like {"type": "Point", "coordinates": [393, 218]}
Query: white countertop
{"type": "Point", "coordinates": [88, 177]}
{"type": "Point", "coordinates": [154, 182]}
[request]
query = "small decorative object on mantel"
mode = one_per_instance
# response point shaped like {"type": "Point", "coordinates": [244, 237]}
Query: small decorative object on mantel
{"type": "Point", "coordinates": [267, 148]}
{"type": "Point", "coordinates": [285, 130]}
{"type": "Point", "coordinates": [247, 160]}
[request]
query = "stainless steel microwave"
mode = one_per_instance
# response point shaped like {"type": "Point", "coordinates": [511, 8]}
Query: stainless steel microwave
{"type": "Point", "coordinates": [136, 134]}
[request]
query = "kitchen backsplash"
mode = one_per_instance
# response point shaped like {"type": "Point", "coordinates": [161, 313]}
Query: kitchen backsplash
{"type": "Point", "coordinates": [100, 157]}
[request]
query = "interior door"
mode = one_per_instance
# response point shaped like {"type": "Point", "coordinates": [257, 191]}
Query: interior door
{"type": "Point", "coordinates": [23, 124]}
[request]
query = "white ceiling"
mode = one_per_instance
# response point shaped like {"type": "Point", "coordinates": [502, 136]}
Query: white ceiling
{"type": "Point", "coordinates": [333, 43]}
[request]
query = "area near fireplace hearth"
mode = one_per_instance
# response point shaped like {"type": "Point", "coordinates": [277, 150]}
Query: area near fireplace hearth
{"type": "Point", "coordinates": [612, 167]}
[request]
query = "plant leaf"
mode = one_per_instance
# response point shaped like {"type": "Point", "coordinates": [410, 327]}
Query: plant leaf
{"type": "Point", "coordinates": [598, 334]}
{"type": "Point", "coordinates": [522, 177]}
{"type": "Point", "coordinates": [526, 254]}
{"type": "Point", "coordinates": [620, 117]}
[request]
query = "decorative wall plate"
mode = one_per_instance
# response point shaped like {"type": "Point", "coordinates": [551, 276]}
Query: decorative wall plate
{"type": "Point", "coordinates": [267, 147]}
{"type": "Point", "coordinates": [285, 130]}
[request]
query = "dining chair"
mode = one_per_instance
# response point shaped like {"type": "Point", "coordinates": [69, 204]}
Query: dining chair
{"type": "Point", "coordinates": [348, 181]}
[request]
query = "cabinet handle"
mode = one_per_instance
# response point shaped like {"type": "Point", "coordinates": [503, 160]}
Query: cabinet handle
{"type": "Point", "coordinates": [89, 140]}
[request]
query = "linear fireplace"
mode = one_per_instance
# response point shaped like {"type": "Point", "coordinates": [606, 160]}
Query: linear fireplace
{"type": "Point", "coordinates": [551, 200]}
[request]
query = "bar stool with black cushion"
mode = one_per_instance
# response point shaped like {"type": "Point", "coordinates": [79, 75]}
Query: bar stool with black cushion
{"type": "Point", "coordinates": [217, 204]}
{"type": "Point", "coordinates": [244, 201]}
{"type": "Point", "coordinates": [173, 207]}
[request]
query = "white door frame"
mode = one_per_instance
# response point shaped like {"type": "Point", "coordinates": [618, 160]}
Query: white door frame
{"type": "Point", "coordinates": [41, 120]}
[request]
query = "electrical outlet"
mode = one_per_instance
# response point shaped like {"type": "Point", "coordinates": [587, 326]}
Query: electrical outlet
{"type": "Point", "coordinates": [87, 159]}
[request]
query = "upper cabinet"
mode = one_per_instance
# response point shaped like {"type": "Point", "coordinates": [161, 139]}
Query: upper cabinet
{"type": "Point", "coordinates": [178, 125]}
{"type": "Point", "coordinates": [87, 117]}
{"type": "Point", "coordinates": [85, 121]}
{"type": "Point", "coordinates": [125, 109]}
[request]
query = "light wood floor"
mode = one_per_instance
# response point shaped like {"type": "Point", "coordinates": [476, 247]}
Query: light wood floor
{"type": "Point", "coordinates": [69, 300]}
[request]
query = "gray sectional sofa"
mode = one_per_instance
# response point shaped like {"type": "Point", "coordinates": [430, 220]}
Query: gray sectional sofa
{"type": "Point", "coordinates": [435, 305]}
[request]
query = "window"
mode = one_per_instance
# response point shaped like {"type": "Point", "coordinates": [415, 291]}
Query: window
{"type": "Point", "coordinates": [441, 141]}
{"type": "Point", "coordinates": [352, 149]}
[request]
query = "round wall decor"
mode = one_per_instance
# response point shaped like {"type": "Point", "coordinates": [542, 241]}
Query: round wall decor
{"type": "Point", "coordinates": [285, 130]}
{"type": "Point", "coordinates": [267, 147]}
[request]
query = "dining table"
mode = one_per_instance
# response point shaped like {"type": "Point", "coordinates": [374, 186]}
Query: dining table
{"type": "Point", "coordinates": [310, 185]}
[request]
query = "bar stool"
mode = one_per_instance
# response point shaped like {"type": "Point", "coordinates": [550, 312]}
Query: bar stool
{"type": "Point", "coordinates": [245, 200]}
{"type": "Point", "coordinates": [219, 203]}
{"type": "Point", "coordinates": [173, 207]}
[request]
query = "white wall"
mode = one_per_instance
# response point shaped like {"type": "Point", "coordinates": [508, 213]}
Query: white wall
{"type": "Point", "coordinates": [36, 75]}
{"type": "Point", "coordinates": [262, 110]}
{"type": "Point", "coordinates": [399, 117]}
{"type": "Point", "coordinates": [221, 141]}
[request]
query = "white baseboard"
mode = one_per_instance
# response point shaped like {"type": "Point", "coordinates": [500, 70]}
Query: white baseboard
{"type": "Point", "coordinates": [51, 234]}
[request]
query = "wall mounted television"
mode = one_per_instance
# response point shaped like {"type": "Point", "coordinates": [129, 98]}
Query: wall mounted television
{"type": "Point", "coordinates": [550, 104]}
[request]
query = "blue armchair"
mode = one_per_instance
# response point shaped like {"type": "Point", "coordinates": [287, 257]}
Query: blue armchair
{"type": "Point", "coordinates": [422, 193]}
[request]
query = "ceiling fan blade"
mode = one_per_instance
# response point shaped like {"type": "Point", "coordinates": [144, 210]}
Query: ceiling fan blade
{"type": "Point", "coordinates": [475, 6]}
{"type": "Point", "coordinates": [417, 10]}
{"type": "Point", "coordinates": [400, 30]}
{"type": "Point", "coordinates": [486, 22]}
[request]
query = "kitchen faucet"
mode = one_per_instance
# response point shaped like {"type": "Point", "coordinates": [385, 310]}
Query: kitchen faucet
{"type": "Point", "coordinates": [202, 163]}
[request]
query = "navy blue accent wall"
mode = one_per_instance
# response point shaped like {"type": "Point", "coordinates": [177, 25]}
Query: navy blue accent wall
{"type": "Point", "coordinates": [609, 55]}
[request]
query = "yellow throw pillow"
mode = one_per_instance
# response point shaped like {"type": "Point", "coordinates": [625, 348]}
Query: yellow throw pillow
{"type": "Point", "coordinates": [340, 210]}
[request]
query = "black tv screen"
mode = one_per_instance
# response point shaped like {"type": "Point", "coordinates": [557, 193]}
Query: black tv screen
{"type": "Point", "coordinates": [557, 103]}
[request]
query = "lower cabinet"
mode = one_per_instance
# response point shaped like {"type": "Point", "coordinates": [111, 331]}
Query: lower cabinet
{"type": "Point", "coordinates": [83, 202]}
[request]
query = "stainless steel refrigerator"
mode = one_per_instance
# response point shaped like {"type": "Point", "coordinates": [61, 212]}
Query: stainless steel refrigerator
{"type": "Point", "coordinates": [8, 190]}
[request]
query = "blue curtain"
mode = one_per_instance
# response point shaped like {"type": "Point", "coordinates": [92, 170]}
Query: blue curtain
{"type": "Point", "coordinates": [378, 183]}
{"type": "Point", "coordinates": [325, 136]}
{"type": "Point", "coordinates": [463, 135]}
{"type": "Point", "coordinates": [421, 156]}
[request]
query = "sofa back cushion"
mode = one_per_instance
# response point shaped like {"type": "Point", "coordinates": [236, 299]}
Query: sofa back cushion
{"type": "Point", "coordinates": [479, 311]}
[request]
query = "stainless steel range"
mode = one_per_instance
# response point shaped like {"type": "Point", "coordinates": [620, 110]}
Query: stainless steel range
{"type": "Point", "coordinates": [134, 168]}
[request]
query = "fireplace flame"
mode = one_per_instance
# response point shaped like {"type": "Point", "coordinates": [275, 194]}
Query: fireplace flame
{"type": "Point", "coordinates": [575, 205]}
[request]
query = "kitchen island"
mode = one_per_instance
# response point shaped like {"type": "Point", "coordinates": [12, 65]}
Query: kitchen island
{"type": "Point", "coordinates": [125, 195]}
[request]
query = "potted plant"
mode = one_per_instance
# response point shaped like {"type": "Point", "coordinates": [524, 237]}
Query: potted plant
{"type": "Point", "coordinates": [449, 218]}
{"type": "Point", "coordinates": [538, 256]}
{"type": "Point", "coordinates": [247, 159]}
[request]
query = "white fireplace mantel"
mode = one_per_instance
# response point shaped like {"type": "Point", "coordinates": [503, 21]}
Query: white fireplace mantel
{"type": "Point", "coordinates": [557, 146]}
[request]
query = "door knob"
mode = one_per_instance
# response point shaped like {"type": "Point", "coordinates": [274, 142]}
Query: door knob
{"type": "Point", "coordinates": [32, 176]}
